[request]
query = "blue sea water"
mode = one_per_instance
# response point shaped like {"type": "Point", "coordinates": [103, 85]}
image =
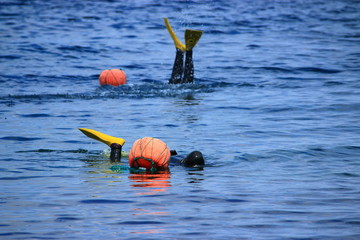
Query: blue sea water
{"type": "Point", "coordinates": [275, 109]}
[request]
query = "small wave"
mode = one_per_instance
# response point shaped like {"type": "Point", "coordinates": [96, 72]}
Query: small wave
{"type": "Point", "coordinates": [77, 48]}
{"type": "Point", "coordinates": [215, 31]}
{"type": "Point", "coordinates": [44, 150]}
{"type": "Point", "coordinates": [9, 57]}
{"type": "Point", "coordinates": [36, 115]}
{"type": "Point", "coordinates": [277, 69]}
{"type": "Point", "coordinates": [91, 17]}
{"type": "Point", "coordinates": [20, 178]}
{"type": "Point", "coordinates": [347, 174]}
{"type": "Point", "coordinates": [65, 219]}
{"type": "Point", "coordinates": [318, 70]}
{"type": "Point", "coordinates": [247, 157]}
{"type": "Point", "coordinates": [104, 201]}
{"type": "Point", "coordinates": [134, 66]}
{"type": "Point", "coordinates": [301, 69]}
{"type": "Point", "coordinates": [19, 139]}
{"type": "Point", "coordinates": [333, 83]}
{"type": "Point", "coordinates": [253, 46]}
{"type": "Point", "coordinates": [122, 26]}
{"type": "Point", "coordinates": [313, 153]}
{"type": "Point", "coordinates": [34, 48]}
{"type": "Point", "coordinates": [140, 223]}
{"type": "Point", "coordinates": [234, 107]}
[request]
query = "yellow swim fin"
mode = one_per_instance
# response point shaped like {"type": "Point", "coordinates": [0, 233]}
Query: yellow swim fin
{"type": "Point", "coordinates": [108, 140]}
{"type": "Point", "coordinates": [177, 42]}
{"type": "Point", "coordinates": [191, 38]}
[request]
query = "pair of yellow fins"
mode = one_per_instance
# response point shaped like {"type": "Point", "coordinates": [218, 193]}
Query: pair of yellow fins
{"type": "Point", "coordinates": [191, 37]}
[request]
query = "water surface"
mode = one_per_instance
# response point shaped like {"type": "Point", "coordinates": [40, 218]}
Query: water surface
{"type": "Point", "coordinates": [274, 109]}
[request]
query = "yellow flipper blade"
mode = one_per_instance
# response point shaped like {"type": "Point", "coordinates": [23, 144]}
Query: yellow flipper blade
{"type": "Point", "coordinates": [177, 42]}
{"type": "Point", "coordinates": [191, 38]}
{"type": "Point", "coordinates": [108, 140]}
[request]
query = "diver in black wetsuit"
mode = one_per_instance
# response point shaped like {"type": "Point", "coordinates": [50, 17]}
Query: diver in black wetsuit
{"type": "Point", "coordinates": [193, 159]}
{"type": "Point", "coordinates": [183, 73]}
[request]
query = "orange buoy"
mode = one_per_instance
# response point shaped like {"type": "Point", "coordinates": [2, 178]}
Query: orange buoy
{"type": "Point", "coordinates": [149, 153]}
{"type": "Point", "coordinates": [113, 77]}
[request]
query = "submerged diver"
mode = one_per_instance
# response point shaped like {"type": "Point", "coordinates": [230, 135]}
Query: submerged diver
{"type": "Point", "coordinates": [147, 153]}
{"type": "Point", "coordinates": [183, 73]}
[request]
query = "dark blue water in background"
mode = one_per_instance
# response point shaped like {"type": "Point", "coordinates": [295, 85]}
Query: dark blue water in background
{"type": "Point", "coordinates": [275, 109]}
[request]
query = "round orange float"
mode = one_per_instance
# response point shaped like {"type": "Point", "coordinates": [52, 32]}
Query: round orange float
{"type": "Point", "coordinates": [113, 77]}
{"type": "Point", "coordinates": [149, 153]}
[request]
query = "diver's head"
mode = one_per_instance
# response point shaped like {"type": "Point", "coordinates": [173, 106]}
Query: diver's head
{"type": "Point", "coordinates": [194, 159]}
